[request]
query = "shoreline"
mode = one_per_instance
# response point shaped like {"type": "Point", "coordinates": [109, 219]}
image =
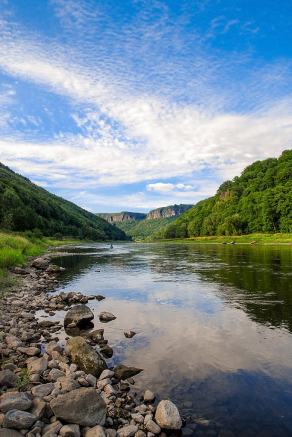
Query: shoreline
{"type": "Point", "coordinates": [64, 388]}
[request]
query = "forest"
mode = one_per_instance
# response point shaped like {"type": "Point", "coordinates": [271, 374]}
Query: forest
{"type": "Point", "coordinates": [24, 206]}
{"type": "Point", "coordinates": [260, 200]}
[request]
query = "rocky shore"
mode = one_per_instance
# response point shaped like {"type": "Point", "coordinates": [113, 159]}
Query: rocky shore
{"type": "Point", "coordinates": [54, 387]}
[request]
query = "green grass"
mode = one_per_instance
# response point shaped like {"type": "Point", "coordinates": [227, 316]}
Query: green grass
{"type": "Point", "coordinates": [258, 238]}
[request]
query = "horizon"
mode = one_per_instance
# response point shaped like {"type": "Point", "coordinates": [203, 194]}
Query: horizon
{"type": "Point", "coordinates": [137, 105]}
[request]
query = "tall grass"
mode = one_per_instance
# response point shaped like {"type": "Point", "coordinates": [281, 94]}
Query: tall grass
{"type": "Point", "coordinates": [15, 249]}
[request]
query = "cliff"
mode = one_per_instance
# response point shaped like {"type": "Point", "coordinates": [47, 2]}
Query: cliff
{"type": "Point", "coordinates": [124, 216]}
{"type": "Point", "coordinates": [168, 211]}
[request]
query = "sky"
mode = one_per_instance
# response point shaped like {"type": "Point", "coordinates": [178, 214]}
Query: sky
{"type": "Point", "coordinates": [136, 104]}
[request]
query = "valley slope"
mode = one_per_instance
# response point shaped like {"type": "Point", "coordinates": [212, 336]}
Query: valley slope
{"type": "Point", "coordinates": [260, 200]}
{"type": "Point", "coordinates": [25, 206]}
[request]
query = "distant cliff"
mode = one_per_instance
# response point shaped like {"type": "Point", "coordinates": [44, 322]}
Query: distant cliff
{"type": "Point", "coordinates": [124, 216]}
{"type": "Point", "coordinates": [154, 214]}
{"type": "Point", "coordinates": [168, 211]}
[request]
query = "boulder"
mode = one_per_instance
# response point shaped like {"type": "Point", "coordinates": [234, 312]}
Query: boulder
{"type": "Point", "coordinates": [127, 431]}
{"type": "Point", "coordinates": [71, 430]}
{"type": "Point", "coordinates": [37, 365]}
{"type": "Point", "coordinates": [15, 401]}
{"type": "Point", "coordinates": [125, 372]}
{"type": "Point", "coordinates": [80, 316]}
{"type": "Point", "coordinates": [85, 356]}
{"type": "Point", "coordinates": [5, 432]}
{"type": "Point", "coordinates": [7, 378]}
{"type": "Point", "coordinates": [41, 263]}
{"type": "Point", "coordinates": [167, 415]}
{"type": "Point", "coordinates": [18, 419]}
{"type": "Point", "coordinates": [83, 406]}
{"type": "Point", "coordinates": [42, 390]}
{"type": "Point", "coordinates": [106, 317]}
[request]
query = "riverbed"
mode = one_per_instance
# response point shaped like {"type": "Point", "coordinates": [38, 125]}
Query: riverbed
{"type": "Point", "coordinates": [213, 324]}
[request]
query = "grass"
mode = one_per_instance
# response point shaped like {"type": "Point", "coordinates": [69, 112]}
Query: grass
{"type": "Point", "coordinates": [257, 238]}
{"type": "Point", "coordinates": [15, 250]}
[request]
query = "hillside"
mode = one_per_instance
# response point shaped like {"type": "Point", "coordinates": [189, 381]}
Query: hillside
{"type": "Point", "coordinates": [144, 228]}
{"type": "Point", "coordinates": [123, 216]}
{"type": "Point", "coordinates": [260, 200]}
{"type": "Point", "coordinates": [25, 206]}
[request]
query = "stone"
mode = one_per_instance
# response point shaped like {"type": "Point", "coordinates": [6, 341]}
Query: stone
{"type": "Point", "coordinates": [37, 365]}
{"type": "Point", "coordinates": [5, 432]}
{"type": "Point", "coordinates": [127, 431]}
{"type": "Point", "coordinates": [167, 415]}
{"type": "Point", "coordinates": [7, 378]}
{"type": "Point", "coordinates": [42, 390]}
{"type": "Point", "coordinates": [85, 356]}
{"type": "Point", "coordinates": [18, 419]}
{"type": "Point", "coordinates": [96, 335]}
{"type": "Point", "coordinates": [111, 432]}
{"type": "Point", "coordinates": [30, 351]}
{"type": "Point", "coordinates": [107, 351]}
{"type": "Point", "coordinates": [97, 431]}
{"type": "Point", "coordinates": [140, 433]}
{"type": "Point", "coordinates": [124, 372]}
{"type": "Point", "coordinates": [148, 396]}
{"type": "Point", "coordinates": [129, 334]}
{"type": "Point", "coordinates": [70, 430]}
{"type": "Point", "coordinates": [138, 417]}
{"type": "Point", "coordinates": [106, 317]}
{"type": "Point", "coordinates": [152, 427]}
{"type": "Point", "coordinates": [15, 401]}
{"type": "Point", "coordinates": [80, 315]}
{"type": "Point", "coordinates": [83, 406]}
{"type": "Point", "coordinates": [40, 263]}
{"type": "Point", "coordinates": [106, 374]}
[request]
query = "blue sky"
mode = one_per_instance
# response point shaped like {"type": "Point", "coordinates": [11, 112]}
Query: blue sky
{"type": "Point", "coordinates": [135, 104]}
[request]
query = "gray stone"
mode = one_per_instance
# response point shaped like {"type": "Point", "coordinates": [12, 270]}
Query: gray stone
{"type": "Point", "coordinates": [125, 372]}
{"type": "Point", "coordinates": [37, 365]}
{"type": "Point", "coordinates": [42, 390]}
{"type": "Point", "coordinates": [5, 432]}
{"type": "Point", "coordinates": [85, 356]}
{"type": "Point", "coordinates": [15, 401]}
{"type": "Point", "coordinates": [152, 427]}
{"type": "Point", "coordinates": [7, 378]}
{"type": "Point", "coordinates": [83, 406]}
{"type": "Point", "coordinates": [127, 431]}
{"type": "Point", "coordinates": [18, 419]}
{"type": "Point", "coordinates": [79, 315]}
{"type": "Point", "coordinates": [106, 317]}
{"type": "Point", "coordinates": [167, 415]}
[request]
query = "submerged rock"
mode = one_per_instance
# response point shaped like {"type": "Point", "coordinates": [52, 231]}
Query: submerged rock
{"type": "Point", "coordinates": [129, 334]}
{"type": "Point", "coordinates": [85, 356]}
{"type": "Point", "coordinates": [125, 372]}
{"type": "Point", "coordinates": [167, 415]}
{"type": "Point", "coordinates": [83, 406]}
{"type": "Point", "coordinates": [106, 317]}
{"type": "Point", "coordinates": [80, 316]}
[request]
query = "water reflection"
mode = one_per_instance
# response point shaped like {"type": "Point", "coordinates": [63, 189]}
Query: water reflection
{"type": "Point", "coordinates": [203, 317]}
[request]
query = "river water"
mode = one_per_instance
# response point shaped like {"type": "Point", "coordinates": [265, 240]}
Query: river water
{"type": "Point", "coordinates": [213, 323]}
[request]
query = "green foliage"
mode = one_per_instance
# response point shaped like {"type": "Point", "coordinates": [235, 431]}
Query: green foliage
{"type": "Point", "coordinates": [22, 381]}
{"type": "Point", "coordinates": [26, 207]}
{"type": "Point", "coordinates": [142, 229]}
{"type": "Point", "coordinates": [260, 200]}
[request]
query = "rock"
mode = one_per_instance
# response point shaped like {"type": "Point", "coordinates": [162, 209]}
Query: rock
{"type": "Point", "coordinates": [71, 430]}
{"type": "Point", "coordinates": [15, 401]}
{"type": "Point", "coordinates": [42, 390]}
{"type": "Point", "coordinates": [106, 317]}
{"type": "Point", "coordinates": [83, 406]}
{"type": "Point", "coordinates": [125, 372]}
{"type": "Point", "coordinates": [96, 335]}
{"type": "Point", "coordinates": [106, 374]}
{"type": "Point", "coordinates": [30, 351]}
{"type": "Point", "coordinates": [127, 431]}
{"type": "Point", "coordinates": [129, 334]}
{"type": "Point", "coordinates": [153, 427]}
{"type": "Point", "coordinates": [140, 433]}
{"type": "Point", "coordinates": [111, 432]}
{"type": "Point", "coordinates": [85, 356]}
{"type": "Point", "coordinates": [167, 415]}
{"type": "Point", "coordinates": [148, 396]}
{"type": "Point", "coordinates": [107, 351]}
{"type": "Point", "coordinates": [40, 263]}
{"type": "Point", "coordinates": [80, 315]}
{"type": "Point", "coordinates": [7, 378]}
{"type": "Point", "coordinates": [97, 431]}
{"type": "Point", "coordinates": [18, 419]}
{"type": "Point", "coordinates": [37, 365]}
{"type": "Point", "coordinates": [5, 432]}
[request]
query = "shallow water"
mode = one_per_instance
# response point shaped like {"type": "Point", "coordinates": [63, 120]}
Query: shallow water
{"type": "Point", "coordinates": [213, 323]}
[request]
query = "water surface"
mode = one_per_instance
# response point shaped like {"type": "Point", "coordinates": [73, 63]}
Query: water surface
{"type": "Point", "coordinates": [213, 327]}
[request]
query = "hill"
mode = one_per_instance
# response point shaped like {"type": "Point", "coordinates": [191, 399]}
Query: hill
{"type": "Point", "coordinates": [140, 230]}
{"type": "Point", "coordinates": [260, 200]}
{"type": "Point", "coordinates": [25, 206]}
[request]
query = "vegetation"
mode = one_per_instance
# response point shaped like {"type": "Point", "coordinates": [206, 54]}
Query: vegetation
{"type": "Point", "coordinates": [26, 207]}
{"type": "Point", "coordinates": [260, 200]}
{"type": "Point", "coordinates": [143, 229]}
{"type": "Point", "coordinates": [255, 238]}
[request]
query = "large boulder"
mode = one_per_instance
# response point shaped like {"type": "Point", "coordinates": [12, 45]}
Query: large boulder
{"type": "Point", "coordinates": [79, 316]}
{"type": "Point", "coordinates": [125, 372]}
{"type": "Point", "coordinates": [83, 406]}
{"type": "Point", "coordinates": [15, 401]}
{"type": "Point", "coordinates": [167, 415]}
{"type": "Point", "coordinates": [41, 263]}
{"type": "Point", "coordinates": [86, 358]}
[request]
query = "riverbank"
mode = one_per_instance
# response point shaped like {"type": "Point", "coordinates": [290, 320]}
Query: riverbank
{"type": "Point", "coordinates": [256, 238]}
{"type": "Point", "coordinates": [64, 388]}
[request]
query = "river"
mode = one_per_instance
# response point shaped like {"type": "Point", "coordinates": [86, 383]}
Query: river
{"type": "Point", "coordinates": [213, 324]}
